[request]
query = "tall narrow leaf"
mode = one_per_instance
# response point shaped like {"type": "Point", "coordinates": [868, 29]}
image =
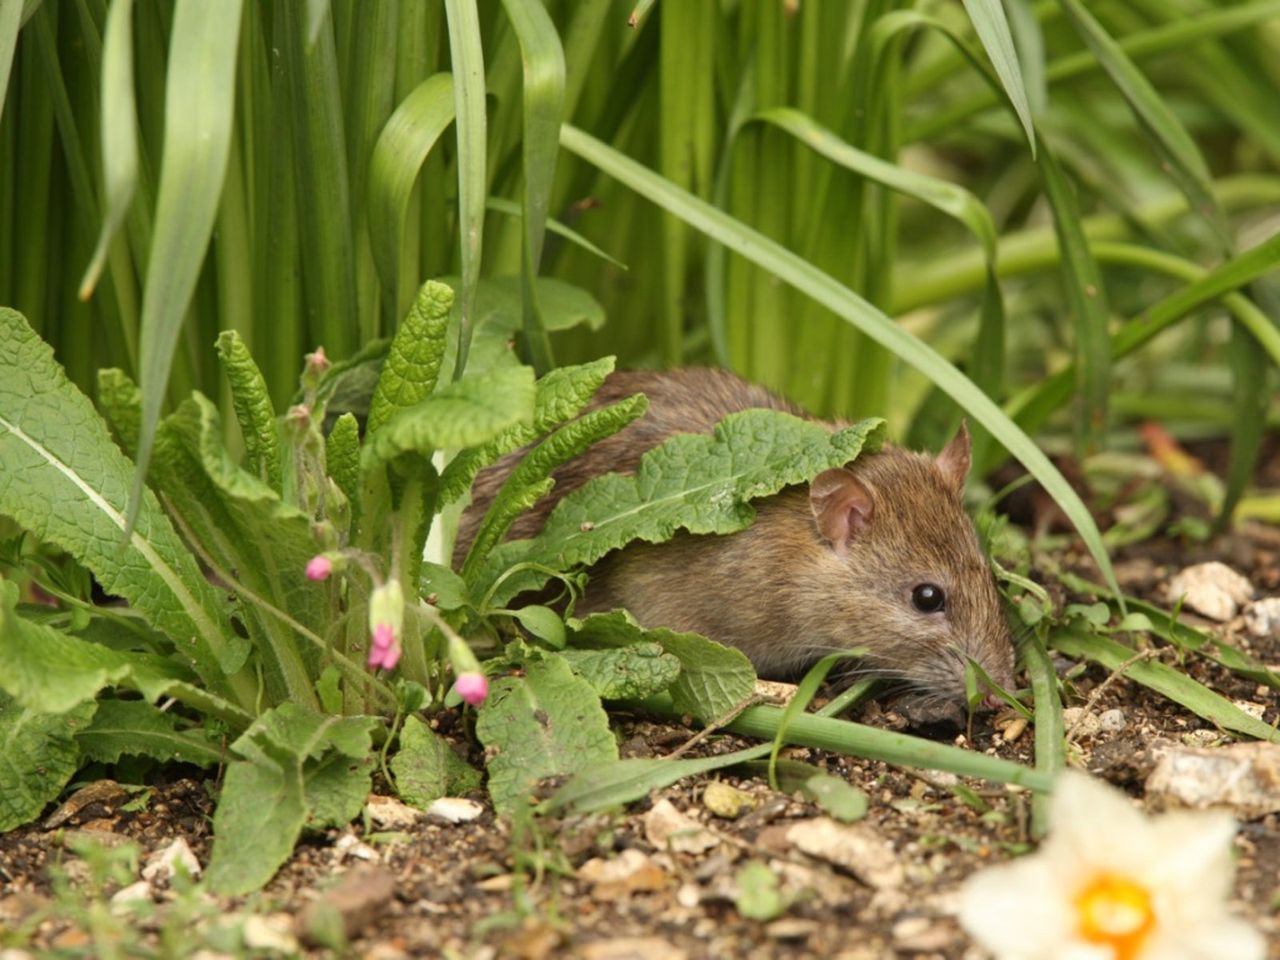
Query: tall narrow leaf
{"type": "Point", "coordinates": [993, 30]}
{"type": "Point", "coordinates": [199, 97]}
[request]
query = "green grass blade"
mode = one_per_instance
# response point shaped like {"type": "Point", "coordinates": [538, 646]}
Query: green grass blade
{"type": "Point", "coordinates": [199, 101]}
{"type": "Point", "coordinates": [1166, 681]}
{"type": "Point", "coordinates": [321, 179]}
{"type": "Point", "coordinates": [992, 28]}
{"type": "Point", "coordinates": [512, 209]}
{"type": "Point", "coordinates": [119, 134]}
{"type": "Point", "coordinates": [543, 100]}
{"type": "Point", "coordinates": [1051, 752]}
{"type": "Point", "coordinates": [1185, 162]}
{"type": "Point", "coordinates": [10, 24]}
{"type": "Point", "coordinates": [1083, 286]}
{"type": "Point", "coordinates": [408, 137]}
{"type": "Point", "coordinates": [469, 107]}
{"type": "Point", "coordinates": [826, 290]}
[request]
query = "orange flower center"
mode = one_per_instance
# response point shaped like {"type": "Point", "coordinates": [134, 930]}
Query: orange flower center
{"type": "Point", "coordinates": [1114, 911]}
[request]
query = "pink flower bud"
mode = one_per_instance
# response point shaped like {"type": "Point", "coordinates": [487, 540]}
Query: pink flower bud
{"type": "Point", "coordinates": [317, 362]}
{"type": "Point", "coordinates": [383, 636]}
{"type": "Point", "coordinates": [319, 567]}
{"type": "Point", "coordinates": [472, 687]}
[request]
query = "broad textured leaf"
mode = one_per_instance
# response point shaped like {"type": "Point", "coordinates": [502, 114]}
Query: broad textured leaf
{"type": "Point", "coordinates": [199, 100]}
{"type": "Point", "coordinates": [826, 290]}
{"type": "Point", "coordinates": [427, 768]}
{"type": "Point", "coordinates": [529, 481]}
{"type": "Point", "coordinates": [295, 764]}
{"type": "Point", "coordinates": [443, 588]}
{"type": "Point", "coordinates": [137, 728]}
{"type": "Point", "coordinates": [412, 366]}
{"type": "Point", "coordinates": [713, 678]}
{"type": "Point", "coordinates": [467, 56]}
{"type": "Point", "coordinates": [496, 318]}
{"type": "Point", "coordinates": [633, 672]}
{"type": "Point", "coordinates": [693, 482]}
{"type": "Point", "coordinates": [546, 723]}
{"type": "Point", "coordinates": [462, 414]}
{"type": "Point", "coordinates": [402, 147]}
{"type": "Point", "coordinates": [253, 408]}
{"type": "Point", "coordinates": [49, 671]}
{"type": "Point", "coordinates": [69, 484]}
{"type": "Point", "coordinates": [121, 404]}
{"type": "Point", "coordinates": [38, 755]}
{"type": "Point", "coordinates": [559, 396]}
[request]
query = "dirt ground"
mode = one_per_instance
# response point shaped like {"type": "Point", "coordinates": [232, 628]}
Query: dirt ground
{"type": "Point", "coordinates": [602, 889]}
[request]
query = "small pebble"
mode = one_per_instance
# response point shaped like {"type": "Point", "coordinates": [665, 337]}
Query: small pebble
{"type": "Point", "coordinates": [1211, 589]}
{"type": "Point", "coordinates": [124, 899]}
{"type": "Point", "coordinates": [1112, 720]}
{"type": "Point", "coordinates": [1262, 617]}
{"type": "Point", "coordinates": [455, 809]}
{"type": "Point", "coordinates": [1080, 722]}
{"type": "Point", "coordinates": [726, 801]}
{"type": "Point", "coordinates": [388, 813]}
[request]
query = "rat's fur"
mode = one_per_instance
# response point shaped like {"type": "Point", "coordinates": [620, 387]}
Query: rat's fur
{"type": "Point", "coordinates": [825, 568]}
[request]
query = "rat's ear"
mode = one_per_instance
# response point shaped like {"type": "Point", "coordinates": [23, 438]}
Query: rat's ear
{"type": "Point", "coordinates": [841, 505]}
{"type": "Point", "coordinates": [953, 461]}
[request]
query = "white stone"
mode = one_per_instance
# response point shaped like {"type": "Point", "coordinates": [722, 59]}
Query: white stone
{"type": "Point", "coordinates": [455, 809]}
{"type": "Point", "coordinates": [1243, 778]}
{"type": "Point", "coordinates": [1211, 589]}
{"type": "Point", "coordinates": [124, 899]}
{"type": "Point", "coordinates": [668, 829]}
{"type": "Point", "coordinates": [1112, 720]}
{"type": "Point", "coordinates": [855, 847]}
{"type": "Point", "coordinates": [1262, 617]}
{"type": "Point", "coordinates": [273, 932]}
{"type": "Point", "coordinates": [164, 864]}
{"type": "Point", "coordinates": [349, 845]}
{"type": "Point", "coordinates": [388, 813]}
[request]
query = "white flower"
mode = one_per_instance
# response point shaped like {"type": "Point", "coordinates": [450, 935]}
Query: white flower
{"type": "Point", "coordinates": [1110, 884]}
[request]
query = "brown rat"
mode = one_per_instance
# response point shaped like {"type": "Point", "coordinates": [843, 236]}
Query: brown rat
{"type": "Point", "coordinates": [878, 554]}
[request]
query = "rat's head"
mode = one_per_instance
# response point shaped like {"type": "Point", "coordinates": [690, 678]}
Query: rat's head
{"type": "Point", "coordinates": [909, 582]}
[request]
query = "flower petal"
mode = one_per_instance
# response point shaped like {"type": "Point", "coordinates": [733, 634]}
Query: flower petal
{"type": "Point", "coordinates": [1017, 910]}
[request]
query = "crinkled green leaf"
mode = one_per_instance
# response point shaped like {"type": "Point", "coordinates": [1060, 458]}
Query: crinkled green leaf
{"type": "Point", "coordinates": [633, 672]}
{"type": "Point", "coordinates": [498, 312]}
{"type": "Point", "coordinates": [64, 480]}
{"type": "Point", "coordinates": [137, 728]}
{"type": "Point", "coordinates": [253, 408]}
{"type": "Point", "coordinates": [526, 484]}
{"type": "Point", "coordinates": [295, 764]}
{"type": "Point", "coordinates": [713, 678]}
{"type": "Point", "coordinates": [559, 396]}
{"type": "Point", "coordinates": [427, 768]}
{"type": "Point", "coordinates": [412, 367]}
{"type": "Point", "coordinates": [51, 672]}
{"type": "Point", "coordinates": [38, 755]}
{"type": "Point", "coordinates": [695, 482]}
{"type": "Point", "coordinates": [342, 456]}
{"type": "Point", "coordinates": [543, 724]}
{"type": "Point", "coordinates": [468, 412]}
{"type": "Point", "coordinates": [121, 403]}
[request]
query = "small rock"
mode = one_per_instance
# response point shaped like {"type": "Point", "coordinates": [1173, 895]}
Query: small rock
{"type": "Point", "coordinates": [790, 928]}
{"type": "Point", "coordinates": [922, 935]}
{"type": "Point", "coordinates": [273, 932]}
{"type": "Point", "coordinates": [349, 845]}
{"type": "Point", "coordinates": [1112, 721]}
{"type": "Point", "coordinates": [384, 951]}
{"type": "Point", "coordinates": [631, 948]}
{"type": "Point", "coordinates": [102, 793]}
{"type": "Point", "coordinates": [855, 847]}
{"type": "Point", "coordinates": [726, 801]}
{"type": "Point", "coordinates": [1243, 778]}
{"type": "Point", "coordinates": [668, 829]}
{"type": "Point", "coordinates": [17, 907]}
{"type": "Point", "coordinates": [1255, 710]}
{"type": "Point", "coordinates": [356, 901]}
{"type": "Point", "coordinates": [1012, 730]}
{"type": "Point", "coordinates": [163, 864]}
{"type": "Point", "coordinates": [1079, 722]}
{"type": "Point", "coordinates": [124, 899]}
{"type": "Point", "coordinates": [689, 895]}
{"type": "Point", "coordinates": [502, 883]}
{"type": "Point", "coordinates": [1262, 617]}
{"type": "Point", "coordinates": [455, 809]}
{"type": "Point", "coordinates": [775, 691]}
{"type": "Point", "coordinates": [1211, 589]}
{"type": "Point", "coordinates": [630, 871]}
{"type": "Point", "coordinates": [388, 813]}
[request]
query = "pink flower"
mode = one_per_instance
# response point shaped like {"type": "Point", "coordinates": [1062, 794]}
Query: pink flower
{"type": "Point", "coordinates": [319, 567]}
{"type": "Point", "coordinates": [472, 687]}
{"type": "Point", "coordinates": [386, 614]}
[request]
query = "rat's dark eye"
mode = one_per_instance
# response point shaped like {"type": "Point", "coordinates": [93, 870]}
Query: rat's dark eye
{"type": "Point", "coordinates": [928, 598]}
